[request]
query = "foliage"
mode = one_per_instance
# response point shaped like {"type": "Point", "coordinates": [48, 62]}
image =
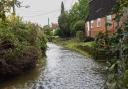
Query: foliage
{"type": "Point", "coordinates": [58, 32]}
{"type": "Point", "coordinates": [17, 35]}
{"type": "Point", "coordinates": [5, 7]}
{"type": "Point", "coordinates": [41, 42]}
{"type": "Point", "coordinates": [76, 15]}
{"type": "Point", "coordinates": [83, 9]}
{"type": "Point", "coordinates": [116, 50]}
{"type": "Point", "coordinates": [84, 48]}
{"type": "Point", "coordinates": [47, 30]}
{"type": "Point", "coordinates": [78, 26]}
{"type": "Point", "coordinates": [88, 39]}
{"type": "Point", "coordinates": [21, 43]}
{"type": "Point", "coordinates": [73, 18]}
{"type": "Point", "coordinates": [62, 8]}
{"type": "Point", "coordinates": [64, 22]}
{"type": "Point", "coordinates": [80, 35]}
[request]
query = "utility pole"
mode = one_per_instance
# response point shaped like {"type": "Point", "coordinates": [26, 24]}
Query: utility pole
{"type": "Point", "coordinates": [48, 21]}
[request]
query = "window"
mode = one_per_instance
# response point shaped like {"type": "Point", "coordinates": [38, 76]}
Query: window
{"type": "Point", "coordinates": [98, 22]}
{"type": "Point", "coordinates": [109, 19]}
{"type": "Point", "coordinates": [92, 22]}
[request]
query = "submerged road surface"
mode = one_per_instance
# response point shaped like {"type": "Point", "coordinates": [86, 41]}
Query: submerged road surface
{"type": "Point", "coordinates": [64, 69]}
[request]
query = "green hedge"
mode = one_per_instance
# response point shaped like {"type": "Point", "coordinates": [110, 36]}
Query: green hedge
{"type": "Point", "coordinates": [20, 46]}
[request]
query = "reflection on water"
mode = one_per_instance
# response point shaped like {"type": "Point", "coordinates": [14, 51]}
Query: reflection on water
{"type": "Point", "coordinates": [64, 70]}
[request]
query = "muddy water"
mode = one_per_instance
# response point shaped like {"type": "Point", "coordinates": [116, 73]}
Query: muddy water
{"type": "Point", "coordinates": [64, 69]}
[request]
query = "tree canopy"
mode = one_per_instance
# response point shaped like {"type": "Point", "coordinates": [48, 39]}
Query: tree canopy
{"type": "Point", "coordinates": [67, 20]}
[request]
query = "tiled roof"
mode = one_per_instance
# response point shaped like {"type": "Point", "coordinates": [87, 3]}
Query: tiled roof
{"type": "Point", "coordinates": [100, 8]}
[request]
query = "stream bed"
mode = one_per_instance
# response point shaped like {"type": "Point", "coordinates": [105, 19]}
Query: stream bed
{"type": "Point", "coordinates": [64, 69]}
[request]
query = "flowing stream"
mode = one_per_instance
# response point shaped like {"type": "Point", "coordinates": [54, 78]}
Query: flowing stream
{"type": "Point", "coordinates": [64, 69]}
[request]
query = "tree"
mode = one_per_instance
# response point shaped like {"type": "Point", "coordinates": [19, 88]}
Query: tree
{"type": "Point", "coordinates": [58, 32]}
{"type": "Point", "coordinates": [73, 17]}
{"type": "Point", "coordinates": [15, 3]}
{"type": "Point", "coordinates": [83, 9]}
{"type": "Point", "coordinates": [47, 30]}
{"type": "Point", "coordinates": [78, 12]}
{"type": "Point", "coordinates": [64, 22]}
{"type": "Point", "coordinates": [79, 26]}
{"type": "Point", "coordinates": [62, 8]}
{"type": "Point", "coordinates": [5, 7]}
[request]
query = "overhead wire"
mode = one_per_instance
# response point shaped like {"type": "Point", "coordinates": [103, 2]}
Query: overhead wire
{"type": "Point", "coordinates": [42, 14]}
{"type": "Point", "coordinates": [47, 13]}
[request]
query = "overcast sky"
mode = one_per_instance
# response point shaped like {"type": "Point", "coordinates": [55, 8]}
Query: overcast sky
{"type": "Point", "coordinates": [40, 10]}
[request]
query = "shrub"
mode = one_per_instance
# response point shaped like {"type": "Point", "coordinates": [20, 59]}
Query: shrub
{"type": "Point", "coordinates": [63, 22]}
{"type": "Point", "coordinates": [88, 39]}
{"type": "Point", "coordinates": [78, 26]}
{"type": "Point", "coordinates": [20, 44]}
{"type": "Point", "coordinates": [47, 30]}
{"type": "Point", "coordinates": [80, 35]}
{"type": "Point", "coordinates": [58, 32]}
{"type": "Point", "coordinates": [41, 43]}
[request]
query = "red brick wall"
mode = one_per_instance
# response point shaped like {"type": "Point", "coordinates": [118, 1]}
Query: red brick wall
{"type": "Point", "coordinates": [95, 29]}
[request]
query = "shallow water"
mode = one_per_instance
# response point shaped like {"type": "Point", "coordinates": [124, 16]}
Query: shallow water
{"type": "Point", "coordinates": [64, 69]}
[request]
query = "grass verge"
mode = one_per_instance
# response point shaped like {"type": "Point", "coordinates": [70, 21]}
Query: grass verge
{"type": "Point", "coordinates": [73, 44]}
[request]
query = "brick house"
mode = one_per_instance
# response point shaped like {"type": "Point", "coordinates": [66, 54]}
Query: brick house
{"type": "Point", "coordinates": [100, 13]}
{"type": "Point", "coordinates": [54, 25]}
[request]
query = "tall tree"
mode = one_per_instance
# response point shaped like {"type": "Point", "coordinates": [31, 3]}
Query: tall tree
{"type": "Point", "coordinates": [63, 22]}
{"type": "Point", "coordinates": [78, 13]}
{"type": "Point", "coordinates": [73, 17]}
{"type": "Point", "coordinates": [62, 8]}
{"type": "Point", "coordinates": [83, 9]}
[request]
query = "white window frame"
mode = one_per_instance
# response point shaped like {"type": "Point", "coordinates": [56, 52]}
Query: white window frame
{"type": "Point", "coordinates": [99, 24]}
{"type": "Point", "coordinates": [109, 19]}
{"type": "Point", "coordinates": [92, 23]}
{"type": "Point", "coordinates": [88, 28]}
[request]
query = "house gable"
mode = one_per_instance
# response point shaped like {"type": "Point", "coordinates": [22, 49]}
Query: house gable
{"type": "Point", "coordinates": [100, 8]}
{"type": "Point", "coordinates": [100, 12]}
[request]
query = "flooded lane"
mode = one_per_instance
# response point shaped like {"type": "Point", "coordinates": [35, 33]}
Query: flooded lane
{"type": "Point", "coordinates": [64, 69]}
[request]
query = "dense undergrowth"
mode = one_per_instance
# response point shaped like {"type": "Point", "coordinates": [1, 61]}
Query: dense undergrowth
{"type": "Point", "coordinates": [21, 45]}
{"type": "Point", "coordinates": [115, 47]}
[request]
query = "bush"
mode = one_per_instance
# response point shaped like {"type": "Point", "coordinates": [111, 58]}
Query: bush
{"type": "Point", "coordinates": [80, 35]}
{"type": "Point", "coordinates": [58, 32]}
{"type": "Point", "coordinates": [20, 45]}
{"type": "Point", "coordinates": [41, 43]}
{"type": "Point", "coordinates": [78, 26]}
{"type": "Point", "coordinates": [88, 39]}
{"type": "Point", "coordinates": [47, 30]}
{"type": "Point", "coordinates": [63, 22]}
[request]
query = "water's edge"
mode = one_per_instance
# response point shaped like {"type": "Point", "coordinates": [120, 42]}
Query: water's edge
{"type": "Point", "coordinates": [64, 69]}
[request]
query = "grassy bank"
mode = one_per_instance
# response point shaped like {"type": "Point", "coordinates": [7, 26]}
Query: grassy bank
{"type": "Point", "coordinates": [76, 45]}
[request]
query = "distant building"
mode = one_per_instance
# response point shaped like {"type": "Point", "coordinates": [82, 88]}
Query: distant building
{"type": "Point", "coordinates": [54, 26]}
{"type": "Point", "coordinates": [100, 13]}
